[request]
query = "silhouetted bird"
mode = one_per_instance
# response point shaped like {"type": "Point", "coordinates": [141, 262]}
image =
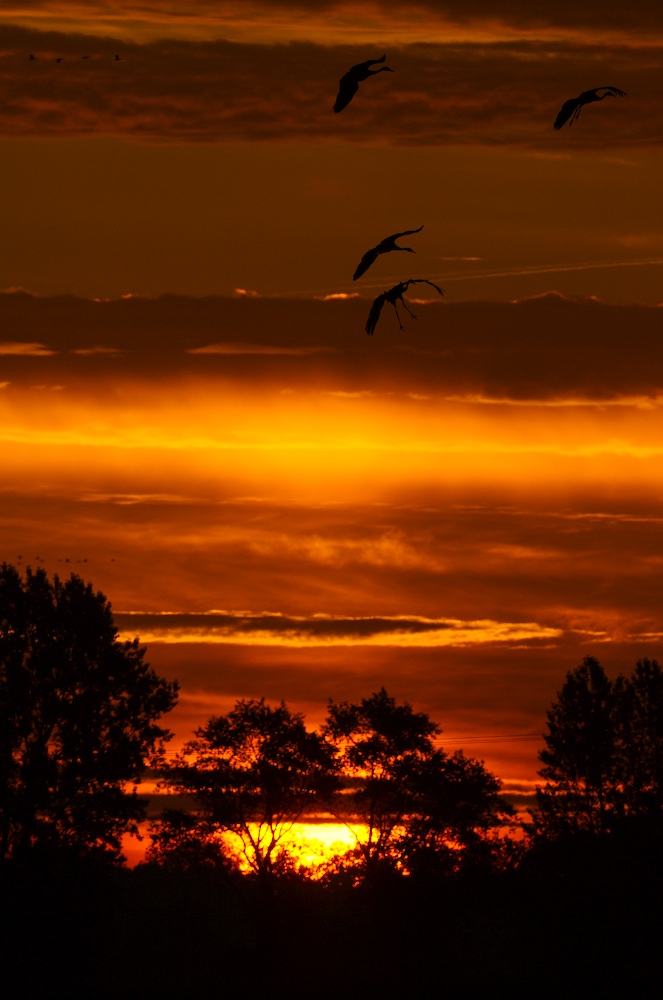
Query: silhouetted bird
{"type": "Point", "coordinates": [117, 58]}
{"type": "Point", "coordinates": [393, 296]}
{"type": "Point", "coordinates": [349, 84]}
{"type": "Point", "coordinates": [59, 59]}
{"type": "Point", "coordinates": [385, 246]}
{"type": "Point", "coordinates": [571, 109]}
{"type": "Point", "coordinates": [31, 57]}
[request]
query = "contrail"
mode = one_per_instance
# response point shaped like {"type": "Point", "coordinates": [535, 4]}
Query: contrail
{"type": "Point", "coordinates": [513, 272]}
{"type": "Point", "coordinates": [552, 269]}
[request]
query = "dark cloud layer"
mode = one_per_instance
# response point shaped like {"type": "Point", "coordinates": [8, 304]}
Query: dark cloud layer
{"type": "Point", "coordinates": [547, 348]}
{"type": "Point", "coordinates": [639, 15]}
{"type": "Point", "coordinates": [505, 93]}
{"type": "Point", "coordinates": [272, 629]}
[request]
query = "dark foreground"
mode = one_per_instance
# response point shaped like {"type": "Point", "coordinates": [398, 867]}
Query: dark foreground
{"type": "Point", "coordinates": [566, 931]}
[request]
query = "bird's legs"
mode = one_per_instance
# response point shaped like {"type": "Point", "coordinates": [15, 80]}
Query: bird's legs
{"type": "Point", "coordinates": [400, 325]}
{"type": "Point", "coordinates": [404, 304]}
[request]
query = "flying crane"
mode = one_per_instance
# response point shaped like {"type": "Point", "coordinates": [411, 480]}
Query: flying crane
{"type": "Point", "coordinates": [394, 296]}
{"type": "Point", "coordinates": [571, 109]}
{"type": "Point", "coordinates": [384, 246]}
{"type": "Point", "coordinates": [349, 83]}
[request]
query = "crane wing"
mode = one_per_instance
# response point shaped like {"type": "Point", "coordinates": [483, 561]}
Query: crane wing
{"type": "Point", "coordinates": [615, 91]}
{"type": "Point", "coordinates": [369, 257]}
{"type": "Point", "coordinates": [347, 88]}
{"type": "Point", "coordinates": [374, 314]}
{"type": "Point", "coordinates": [422, 281]}
{"type": "Point", "coordinates": [565, 113]}
{"type": "Point", "coordinates": [408, 232]}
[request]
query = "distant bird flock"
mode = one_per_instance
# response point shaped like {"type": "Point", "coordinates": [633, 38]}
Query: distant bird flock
{"type": "Point", "coordinates": [58, 59]}
{"type": "Point", "coordinates": [348, 87]}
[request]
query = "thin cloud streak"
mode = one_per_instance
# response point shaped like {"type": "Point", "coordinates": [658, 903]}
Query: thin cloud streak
{"type": "Point", "coordinates": [24, 349]}
{"type": "Point", "coordinates": [570, 402]}
{"type": "Point", "coordinates": [325, 630]}
{"type": "Point", "coordinates": [235, 348]}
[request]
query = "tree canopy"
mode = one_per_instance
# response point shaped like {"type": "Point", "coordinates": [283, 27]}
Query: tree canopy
{"type": "Point", "coordinates": [256, 771]}
{"type": "Point", "coordinates": [413, 806]}
{"type": "Point", "coordinates": [79, 715]}
{"type": "Point", "coordinates": [252, 772]}
{"type": "Point", "coordinates": [603, 761]}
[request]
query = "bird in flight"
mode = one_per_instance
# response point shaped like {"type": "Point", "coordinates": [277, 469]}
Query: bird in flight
{"type": "Point", "coordinates": [384, 246]}
{"type": "Point", "coordinates": [349, 83]}
{"type": "Point", "coordinates": [571, 109]}
{"type": "Point", "coordinates": [394, 296]}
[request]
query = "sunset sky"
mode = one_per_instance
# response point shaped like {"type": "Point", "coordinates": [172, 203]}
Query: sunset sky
{"type": "Point", "coordinates": [193, 418]}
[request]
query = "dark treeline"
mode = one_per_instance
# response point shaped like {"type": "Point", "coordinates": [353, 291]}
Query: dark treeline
{"type": "Point", "coordinates": [442, 887]}
{"type": "Point", "coordinates": [257, 771]}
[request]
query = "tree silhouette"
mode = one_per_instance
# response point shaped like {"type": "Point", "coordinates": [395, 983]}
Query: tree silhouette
{"type": "Point", "coordinates": [580, 765]}
{"type": "Point", "coordinates": [419, 807]}
{"type": "Point", "coordinates": [78, 718]}
{"type": "Point", "coordinates": [380, 746]}
{"type": "Point", "coordinates": [253, 773]}
{"type": "Point", "coordinates": [457, 815]}
{"type": "Point", "coordinates": [639, 740]}
{"type": "Point", "coordinates": [184, 842]}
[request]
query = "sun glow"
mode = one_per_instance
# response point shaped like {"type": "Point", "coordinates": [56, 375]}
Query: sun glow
{"type": "Point", "coordinates": [309, 845]}
{"type": "Point", "coordinates": [306, 441]}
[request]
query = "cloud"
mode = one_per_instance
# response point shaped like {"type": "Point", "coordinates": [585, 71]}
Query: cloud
{"type": "Point", "coordinates": [453, 92]}
{"type": "Point", "coordinates": [338, 19]}
{"type": "Point", "coordinates": [24, 349]}
{"type": "Point", "coordinates": [548, 351]}
{"type": "Point", "coordinates": [92, 351]}
{"type": "Point", "coordinates": [569, 402]}
{"type": "Point", "coordinates": [130, 499]}
{"type": "Point", "coordinates": [265, 349]}
{"type": "Point", "coordinates": [325, 630]}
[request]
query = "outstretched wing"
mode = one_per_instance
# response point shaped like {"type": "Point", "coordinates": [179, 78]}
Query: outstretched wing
{"type": "Point", "coordinates": [369, 257]}
{"type": "Point", "coordinates": [615, 91]}
{"type": "Point", "coordinates": [565, 113]}
{"type": "Point", "coordinates": [408, 232]}
{"type": "Point", "coordinates": [384, 246]}
{"type": "Point", "coordinates": [421, 281]}
{"type": "Point", "coordinates": [374, 314]}
{"type": "Point", "coordinates": [347, 88]}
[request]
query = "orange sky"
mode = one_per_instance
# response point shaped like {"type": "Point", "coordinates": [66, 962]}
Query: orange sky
{"type": "Point", "coordinates": [278, 504]}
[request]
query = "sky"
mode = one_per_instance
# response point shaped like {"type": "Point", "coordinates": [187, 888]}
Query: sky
{"type": "Point", "coordinates": [193, 418]}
